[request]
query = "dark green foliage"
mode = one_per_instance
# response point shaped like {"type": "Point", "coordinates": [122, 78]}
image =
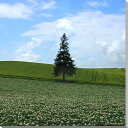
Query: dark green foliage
{"type": "Point", "coordinates": [64, 65]}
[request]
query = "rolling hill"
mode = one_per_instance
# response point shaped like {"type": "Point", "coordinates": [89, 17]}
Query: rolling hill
{"type": "Point", "coordinates": [44, 72]}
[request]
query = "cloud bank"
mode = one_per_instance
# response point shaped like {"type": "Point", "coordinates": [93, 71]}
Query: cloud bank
{"type": "Point", "coordinates": [17, 10]}
{"type": "Point", "coordinates": [25, 11]}
{"type": "Point", "coordinates": [96, 39]}
{"type": "Point", "coordinates": [25, 53]}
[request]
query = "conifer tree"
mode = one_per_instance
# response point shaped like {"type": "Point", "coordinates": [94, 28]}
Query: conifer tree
{"type": "Point", "coordinates": [64, 65]}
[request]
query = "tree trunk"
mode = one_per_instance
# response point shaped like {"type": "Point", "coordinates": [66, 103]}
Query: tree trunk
{"type": "Point", "coordinates": [63, 76]}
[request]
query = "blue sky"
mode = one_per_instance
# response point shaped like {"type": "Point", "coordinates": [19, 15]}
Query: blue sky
{"type": "Point", "coordinates": [31, 29]}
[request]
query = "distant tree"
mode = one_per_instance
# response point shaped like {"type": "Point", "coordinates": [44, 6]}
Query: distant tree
{"type": "Point", "coordinates": [64, 65]}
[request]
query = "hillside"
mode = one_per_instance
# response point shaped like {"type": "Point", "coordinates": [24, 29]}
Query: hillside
{"type": "Point", "coordinates": [44, 71]}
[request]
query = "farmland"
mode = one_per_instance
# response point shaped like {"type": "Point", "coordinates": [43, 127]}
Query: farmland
{"type": "Point", "coordinates": [44, 72]}
{"type": "Point", "coordinates": [31, 96]}
{"type": "Point", "coordinates": [34, 102]}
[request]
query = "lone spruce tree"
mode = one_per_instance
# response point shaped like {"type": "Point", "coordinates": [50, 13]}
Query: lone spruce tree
{"type": "Point", "coordinates": [64, 65]}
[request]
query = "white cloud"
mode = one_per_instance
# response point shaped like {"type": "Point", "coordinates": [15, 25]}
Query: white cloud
{"type": "Point", "coordinates": [97, 3]}
{"type": "Point", "coordinates": [64, 24]}
{"type": "Point", "coordinates": [29, 56]}
{"type": "Point", "coordinates": [25, 53]}
{"type": "Point", "coordinates": [114, 51]}
{"type": "Point", "coordinates": [42, 6]}
{"type": "Point", "coordinates": [48, 5]}
{"type": "Point", "coordinates": [126, 0]}
{"type": "Point", "coordinates": [17, 10]}
{"type": "Point", "coordinates": [92, 62]}
{"type": "Point", "coordinates": [92, 34]}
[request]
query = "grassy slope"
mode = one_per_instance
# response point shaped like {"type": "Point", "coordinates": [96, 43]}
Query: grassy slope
{"type": "Point", "coordinates": [44, 71]}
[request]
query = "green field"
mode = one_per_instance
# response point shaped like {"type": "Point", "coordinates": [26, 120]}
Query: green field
{"type": "Point", "coordinates": [44, 72]}
{"type": "Point", "coordinates": [34, 102]}
{"type": "Point", "coordinates": [30, 95]}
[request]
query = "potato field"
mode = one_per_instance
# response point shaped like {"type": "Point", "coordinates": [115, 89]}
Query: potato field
{"type": "Point", "coordinates": [26, 102]}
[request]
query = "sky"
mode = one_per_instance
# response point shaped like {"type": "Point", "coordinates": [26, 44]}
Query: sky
{"type": "Point", "coordinates": [31, 29]}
